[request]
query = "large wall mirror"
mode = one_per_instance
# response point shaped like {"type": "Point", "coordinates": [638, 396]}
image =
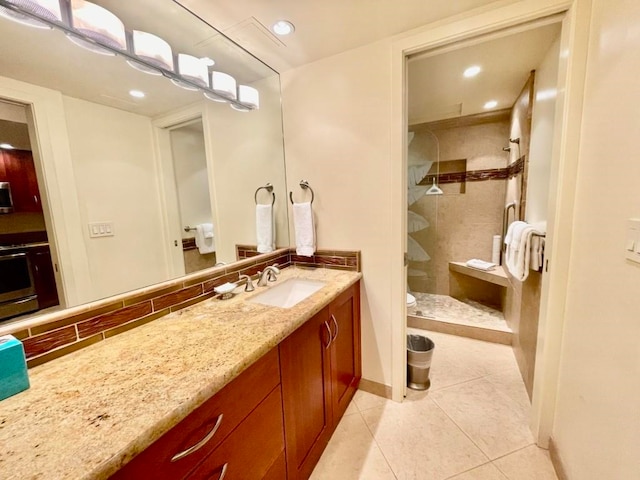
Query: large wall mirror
{"type": "Point", "coordinates": [127, 164]}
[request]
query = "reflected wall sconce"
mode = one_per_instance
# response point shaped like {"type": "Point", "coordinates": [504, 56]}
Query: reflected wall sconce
{"type": "Point", "coordinates": [97, 29]}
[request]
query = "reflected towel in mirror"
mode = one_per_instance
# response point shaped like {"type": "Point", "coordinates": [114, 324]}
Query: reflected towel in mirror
{"type": "Point", "coordinates": [265, 228]}
{"type": "Point", "coordinates": [205, 240]}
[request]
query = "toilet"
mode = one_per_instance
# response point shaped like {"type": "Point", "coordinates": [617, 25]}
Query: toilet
{"type": "Point", "coordinates": [411, 300]}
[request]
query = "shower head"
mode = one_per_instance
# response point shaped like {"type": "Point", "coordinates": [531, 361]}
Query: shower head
{"type": "Point", "coordinates": [515, 140]}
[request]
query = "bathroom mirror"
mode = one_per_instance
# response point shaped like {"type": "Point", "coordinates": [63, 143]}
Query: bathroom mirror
{"type": "Point", "coordinates": [120, 147]}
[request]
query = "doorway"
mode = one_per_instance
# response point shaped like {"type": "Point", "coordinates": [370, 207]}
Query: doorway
{"type": "Point", "coordinates": [564, 160]}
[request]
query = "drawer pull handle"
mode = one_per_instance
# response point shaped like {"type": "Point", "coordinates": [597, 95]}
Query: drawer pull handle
{"type": "Point", "coordinates": [200, 444]}
{"type": "Point", "coordinates": [223, 473]}
{"type": "Point", "coordinates": [330, 335]}
{"type": "Point", "coordinates": [335, 322]}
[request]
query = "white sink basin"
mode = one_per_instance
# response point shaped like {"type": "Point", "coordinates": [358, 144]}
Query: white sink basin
{"type": "Point", "coordinates": [288, 293]}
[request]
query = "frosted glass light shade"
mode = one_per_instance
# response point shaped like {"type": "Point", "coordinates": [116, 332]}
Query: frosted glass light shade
{"type": "Point", "coordinates": [49, 9]}
{"type": "Point", "coordinates": [99, 24]}
{"type": "Point", "coordinates": [249, 96]}
{"type": "Point", "coordinates": [152, 49]}
{"type": "Point", "coordinates": [193, 69]}
{"type": "Point", "coordinates": [224, 85]}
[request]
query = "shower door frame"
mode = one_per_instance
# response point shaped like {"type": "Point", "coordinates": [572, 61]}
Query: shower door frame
{"type": "Point", "coordinates": [574, 39]}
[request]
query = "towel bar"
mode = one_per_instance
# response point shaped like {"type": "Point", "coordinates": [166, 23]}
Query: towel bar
{"type": "Point", "coordinates": [304, 185]}
{"type": "Point", "coordinates": [269, 188]}
{"type": "Point", "coordinates": [189, 229]}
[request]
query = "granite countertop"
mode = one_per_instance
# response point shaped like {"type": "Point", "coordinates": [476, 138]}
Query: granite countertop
{"type": "Point", "coordinates": [88, 413]}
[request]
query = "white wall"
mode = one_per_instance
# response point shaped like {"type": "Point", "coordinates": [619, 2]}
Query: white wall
{"type": "Point", "coordinates": [597, 422]}
{"type": "Point", "coordinates": [192, 181]}
{"type": "Point", "coordinates": [337, 136]}
{"type": "Point", "coordinates": [542, 125]}
{"type": "Point", "coordinates": [242, 162]}
{"type": "Point", "coordinates": [113, 161]}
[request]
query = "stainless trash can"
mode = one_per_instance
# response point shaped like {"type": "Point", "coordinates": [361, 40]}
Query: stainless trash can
{"type": "Point", "coordinates": [419, 354]}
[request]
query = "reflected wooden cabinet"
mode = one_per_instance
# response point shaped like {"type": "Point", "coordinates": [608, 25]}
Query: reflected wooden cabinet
{"type": "Point", "coordinates": [320, 367]}
{"type": "Point", "coordinates": [17, 168]}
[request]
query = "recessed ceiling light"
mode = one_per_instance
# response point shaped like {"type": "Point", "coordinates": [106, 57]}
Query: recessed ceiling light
{"type": "Point", "coordinates": [472, 71]}
{"type": "Point", "coordinates": [209, 62]}
{"type": "Point", "coordinates": [491, 104]}
{"type": "Point", "coordinates": [283, 27]}
{"type": "Point", "coordinates": [7, 146]}
{"type": "Point", "coordinates": [136, 93]}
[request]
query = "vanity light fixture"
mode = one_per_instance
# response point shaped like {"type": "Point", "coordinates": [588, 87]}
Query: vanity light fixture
{"type": "Point", "coordinates": [472, 71]}
{"type": "Point", "coordinates": [247, 96]}
{"type": "Point", "coordinates": [283, 27]}
{"type": "Point", "coordinates": [6, 146]}
{"type": "Point", "coordinates": [97, 29]}
{"type": "Point", "coordinates": [137, 93]}
{"type": "Point", "coordinates": [193, 69]}
{"type": "Point", "coordinates": [49, 9]}
{"type": "Point", "coordinates": [98, 24]}
{"type": "Point", "coordinates": [152, 49]}
{"type": "Point", "coordinates": [224, 85]}
{"type": "Point", "coordinates": [490, 104]}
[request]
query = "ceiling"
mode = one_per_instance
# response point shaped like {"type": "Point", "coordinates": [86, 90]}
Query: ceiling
{"type": "Point", "coordinates": [438, 89]}
{"type": "Point", "coordinates": [323, 27]}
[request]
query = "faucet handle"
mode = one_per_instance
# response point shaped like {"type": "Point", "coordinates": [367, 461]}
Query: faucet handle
{"type": "Point", "coordinates": [249, 286]}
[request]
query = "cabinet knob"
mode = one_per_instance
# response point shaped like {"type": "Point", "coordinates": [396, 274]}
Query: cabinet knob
{"type": "Point", "coordinates": [200, 444]}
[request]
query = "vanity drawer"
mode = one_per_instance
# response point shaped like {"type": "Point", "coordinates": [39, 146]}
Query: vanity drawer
{"type": "Point", "coordinates": [255, 450]}
{"type": "Point", "coordinates": [233, 403]}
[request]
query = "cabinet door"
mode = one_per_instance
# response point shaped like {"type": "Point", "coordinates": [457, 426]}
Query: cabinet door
{"type": "Point", "coordinates": [345, 349]}
{"type": "Point", "coordinates": [43, 277]}
{"type": "Point", "coordinates": [306, 392]}
{"type": "Point", "coordinates": [19, 170]}
{"type": "Point", "coordinates": [252, 449]}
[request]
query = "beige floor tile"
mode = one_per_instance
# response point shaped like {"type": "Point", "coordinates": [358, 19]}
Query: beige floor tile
{"type": "Point", "coordinates": [509, 382]}
{"type": "Point", "coordinates": [457, 359]}
{"type": "Point", "coordinates": [365, 400]}
{"type": "Point", "coordinates": [497, 424]}
{"type": "Point", "coordinates": [351, 409]}
{"type": "Point", "coordinates": [485, 472]}
{"type": "Point", "coordinates": [352, 454]}
{"type": "Point", "coordinates": [531, 463]}
{"type": "Point", "coordinates": [420, 442]}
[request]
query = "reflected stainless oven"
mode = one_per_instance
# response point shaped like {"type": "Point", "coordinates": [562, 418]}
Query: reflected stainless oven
{"type": "Point", "coordinates": [6, 202]}
{"type": "Point", "coordinates": [17, 290]}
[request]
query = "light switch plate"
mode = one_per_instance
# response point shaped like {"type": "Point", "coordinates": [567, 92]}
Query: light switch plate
{"type": "Point", "coordinates": [632, 242]}
{"type": "Point", "coordinates": [101, 229]}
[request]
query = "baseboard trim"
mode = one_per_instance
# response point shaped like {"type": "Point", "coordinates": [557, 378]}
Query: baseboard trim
{"type": "Point", "coordinates": [556, 461]}
{"type": "Point", "coordinates": [379, 389]}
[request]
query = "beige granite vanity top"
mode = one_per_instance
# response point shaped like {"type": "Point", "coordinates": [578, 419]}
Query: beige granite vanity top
{"type": "Point", "coordinates": [88, 413]}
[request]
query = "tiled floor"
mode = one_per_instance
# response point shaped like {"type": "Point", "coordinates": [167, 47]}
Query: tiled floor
{"type": "Point", "coordinates": [470, 425]}
{"type": "Point", "coordinates": [448, 309]}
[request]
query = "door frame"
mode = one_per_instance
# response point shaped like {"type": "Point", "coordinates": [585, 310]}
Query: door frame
{"type": "Point", "coordinates": [574, 42]}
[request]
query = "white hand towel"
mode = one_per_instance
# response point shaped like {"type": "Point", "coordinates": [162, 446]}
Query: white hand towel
{"type": "Point", "coordinates": [265, 230]}
{"type": "Point", "coordinates": [205, 240]}
{"type": "Point", "coordinates": [519, 251]}
{"type": "Point", "coordinates": [305, 229]}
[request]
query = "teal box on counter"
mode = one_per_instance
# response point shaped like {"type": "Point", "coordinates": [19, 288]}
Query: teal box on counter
{"type": "Point", "coordinates": [13, 367]}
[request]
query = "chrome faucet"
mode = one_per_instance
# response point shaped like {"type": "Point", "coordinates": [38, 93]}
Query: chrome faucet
{"type": "Point", "coordinates": [249, 285]}
{"type": "Point", "coordinates": [270, 274]}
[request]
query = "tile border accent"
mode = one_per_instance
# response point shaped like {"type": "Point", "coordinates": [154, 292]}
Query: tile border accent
{"type": "Point", "coordinates": [52, 335]}
{"type": "Point", "coordinates": [512, 170]}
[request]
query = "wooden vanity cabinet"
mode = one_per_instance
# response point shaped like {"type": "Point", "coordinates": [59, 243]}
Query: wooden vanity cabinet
{"type": "Point", "coordinates": [320, 369]}
{"type": "Point", "coordinates": [244, 404]}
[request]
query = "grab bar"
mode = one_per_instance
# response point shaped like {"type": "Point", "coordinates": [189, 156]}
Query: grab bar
{"type": "Point", "coordinates": [505, 226]}
{"type": "Point", "coordinates": [269, 188]}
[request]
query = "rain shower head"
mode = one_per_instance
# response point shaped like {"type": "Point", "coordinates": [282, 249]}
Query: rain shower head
{"type": "Point", "coordinates": [515, 140]}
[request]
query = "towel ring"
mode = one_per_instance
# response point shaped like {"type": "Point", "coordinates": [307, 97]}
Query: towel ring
{"type": "Point", "coordinates": [269, 188]}
{"type": "Point", "coordinates": [304, 185]}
